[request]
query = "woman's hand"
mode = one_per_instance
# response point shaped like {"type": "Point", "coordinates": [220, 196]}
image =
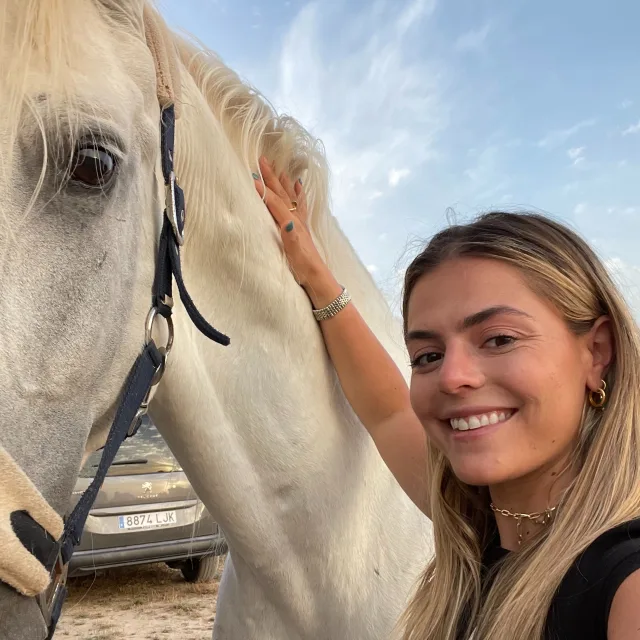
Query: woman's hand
{"type": "Point", "coordinates": [288, 206]}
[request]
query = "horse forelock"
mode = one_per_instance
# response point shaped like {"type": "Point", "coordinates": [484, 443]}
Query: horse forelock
{"type": "Point", "coordinates": [52, 51]}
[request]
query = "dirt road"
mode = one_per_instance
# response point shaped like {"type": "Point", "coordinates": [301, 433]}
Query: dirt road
{"type": "Point", "coordinates": [150, 602]}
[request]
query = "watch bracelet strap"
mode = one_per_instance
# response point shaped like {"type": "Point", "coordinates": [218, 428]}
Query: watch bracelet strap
{"type": "Point", "coordinates": [333, 308]}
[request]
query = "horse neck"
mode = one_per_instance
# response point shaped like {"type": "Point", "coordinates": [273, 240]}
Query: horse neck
{"type": "Point", "coordinates": [265, 416]}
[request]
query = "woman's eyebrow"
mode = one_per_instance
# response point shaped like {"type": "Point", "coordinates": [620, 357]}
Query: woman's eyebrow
{"type": "Point", "coordinates": [470, 321]}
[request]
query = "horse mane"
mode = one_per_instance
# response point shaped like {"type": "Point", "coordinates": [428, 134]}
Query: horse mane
{"type": "Point", "coordinates": [254, 128]}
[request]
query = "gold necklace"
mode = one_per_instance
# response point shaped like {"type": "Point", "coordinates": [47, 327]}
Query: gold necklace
{"type": "Point", "coordinates": [539, 517]}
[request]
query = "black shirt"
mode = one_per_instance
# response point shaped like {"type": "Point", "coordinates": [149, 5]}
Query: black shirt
{"type": "Point", "coordinates": [580, 607]}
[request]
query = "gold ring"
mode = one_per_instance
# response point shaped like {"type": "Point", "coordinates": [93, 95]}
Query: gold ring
{"type": "Point", "coordinates": [295, 205]}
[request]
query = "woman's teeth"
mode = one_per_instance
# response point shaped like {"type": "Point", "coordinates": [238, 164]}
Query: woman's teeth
{"type": "Point", "coordinates": [481, 420]}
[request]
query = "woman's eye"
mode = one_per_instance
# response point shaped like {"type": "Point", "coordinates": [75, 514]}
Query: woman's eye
{"type": "Point", "coordinates": [426, 359]}
{"type": "Point", "coordinates": [500, 341]}
{"type": "Point", "coordinates": [93, 166]}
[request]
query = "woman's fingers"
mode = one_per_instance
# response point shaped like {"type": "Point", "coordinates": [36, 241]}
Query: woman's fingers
{"type": "Point", "coordinates": [272, 181]}
{"type": "Point", "coordinates": [278, 209]}
{"type": "Point", "coordinates": [301, 199]}
{"type": "Point", "coordinates": [286, 183]}
{"type": "Point", "coordinates": [280, 194]}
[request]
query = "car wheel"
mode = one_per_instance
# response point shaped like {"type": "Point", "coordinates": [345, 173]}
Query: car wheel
{"type": "Point", "coordinates": [203, 569]}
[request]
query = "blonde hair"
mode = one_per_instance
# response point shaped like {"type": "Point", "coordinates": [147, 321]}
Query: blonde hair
{"type": "Point", "coordinates": [449, 602]}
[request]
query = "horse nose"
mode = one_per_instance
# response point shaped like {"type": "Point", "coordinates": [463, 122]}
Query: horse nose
{"type": "Point", "coordinates": [20, 617]}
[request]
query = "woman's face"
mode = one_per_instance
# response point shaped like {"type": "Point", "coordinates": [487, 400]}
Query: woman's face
{"type": "Point", "coordinates": [498, 380]}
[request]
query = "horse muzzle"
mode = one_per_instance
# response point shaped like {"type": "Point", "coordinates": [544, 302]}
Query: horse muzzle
{"type": "Point", "coordinates": [29, 528]}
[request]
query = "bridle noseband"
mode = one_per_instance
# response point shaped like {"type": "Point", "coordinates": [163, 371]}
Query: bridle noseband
{"type": "Point", "coordinates": [145, 374]}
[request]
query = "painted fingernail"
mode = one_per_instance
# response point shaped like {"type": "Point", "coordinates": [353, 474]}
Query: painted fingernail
{"type": "Point", "coordinates": [255, 176]}
{"type": "Point", "coordinates": [300, 180]}
{"type": "Point", "coordinates": [289, 227]}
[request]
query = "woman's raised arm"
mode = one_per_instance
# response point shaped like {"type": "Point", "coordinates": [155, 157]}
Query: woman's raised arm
{"type": "Point", "coordinates": [369, 377]}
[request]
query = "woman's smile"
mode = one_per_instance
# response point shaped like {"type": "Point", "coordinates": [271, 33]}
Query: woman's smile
{"type": "Point", "coordinates": [477, 423]}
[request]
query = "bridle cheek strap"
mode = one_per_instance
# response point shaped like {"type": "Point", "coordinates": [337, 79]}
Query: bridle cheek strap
{"type": "Point", "coordinates": [23, 508]}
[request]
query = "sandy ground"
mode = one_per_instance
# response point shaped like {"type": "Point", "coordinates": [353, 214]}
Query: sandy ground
{"type": "Point", "coordinates": [150, 602]}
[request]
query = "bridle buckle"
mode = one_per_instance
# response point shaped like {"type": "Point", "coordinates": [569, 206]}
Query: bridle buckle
{"type": "Point", "coordinates": [50, 601]}
{"type": "Point", "coordinates": [176, 218]}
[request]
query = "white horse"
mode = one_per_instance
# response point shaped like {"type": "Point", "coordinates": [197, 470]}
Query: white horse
{"type": "Point", "coordinates": [323, 543]}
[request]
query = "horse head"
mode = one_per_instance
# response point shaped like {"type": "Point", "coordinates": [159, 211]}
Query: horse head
{"type": "Point", "coordinates": [81, 211]}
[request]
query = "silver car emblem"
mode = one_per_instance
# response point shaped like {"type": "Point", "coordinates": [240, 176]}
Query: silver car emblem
{"type": "Point", "coordinates": [146, 487]}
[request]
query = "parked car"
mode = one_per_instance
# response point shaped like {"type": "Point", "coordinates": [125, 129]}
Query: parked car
{"type": "Point", "coordinates": [146, 511]}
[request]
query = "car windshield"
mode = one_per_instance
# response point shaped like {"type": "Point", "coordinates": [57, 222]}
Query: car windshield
{"type": "Point", "coordinates": [145, 452]}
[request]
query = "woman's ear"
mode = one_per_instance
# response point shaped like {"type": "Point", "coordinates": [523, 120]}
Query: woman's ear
{"type": "Point", "coordinates": [600, 344]}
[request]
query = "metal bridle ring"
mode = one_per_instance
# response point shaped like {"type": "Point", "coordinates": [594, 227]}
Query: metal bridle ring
{"type": "Point", "coordinates": [148, 331]}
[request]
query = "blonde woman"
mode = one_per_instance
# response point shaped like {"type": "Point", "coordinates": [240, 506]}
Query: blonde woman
{"type": "Point", "coordinates": [526, 380]}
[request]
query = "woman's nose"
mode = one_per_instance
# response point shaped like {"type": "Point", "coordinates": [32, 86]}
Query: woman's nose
{"type": "Point", "coordinates": [460, 370]}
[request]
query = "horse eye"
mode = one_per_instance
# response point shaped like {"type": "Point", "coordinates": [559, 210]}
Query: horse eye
{"type": "Point", "coordinates": [93, 166]}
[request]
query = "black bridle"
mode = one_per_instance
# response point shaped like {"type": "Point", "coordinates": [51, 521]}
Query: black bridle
{"type": "Point", "coordinates": [144, 375]}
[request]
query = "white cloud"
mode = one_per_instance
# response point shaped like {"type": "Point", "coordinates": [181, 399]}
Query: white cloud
{"type": "Point", "coordinates": [473, 40]}
{"type": "Point", "coordinates": [373, 103]}
{"type": "Point", "coordinates": [413, 12]}
{"type": "Point", "coordinates": [576, 154]}
{"type": "Point", "coordinates": [299, 52]}
{"type": "Point", "coordinates": [634, 128]}
{"type": "Point", "coordinates": [625, 104]}
{"type": "Point", "coordinates": [581, 207]}
{"type": "Point", "coordinates": [397, 175]}
{"type": "Point", "coordinates": [558, 136]}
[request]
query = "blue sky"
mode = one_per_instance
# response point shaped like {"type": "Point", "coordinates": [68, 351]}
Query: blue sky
{"type": "Point", "coordinates": [427, 105]}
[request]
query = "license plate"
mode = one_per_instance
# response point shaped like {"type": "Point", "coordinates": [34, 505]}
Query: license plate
{"type": "Point", "coordinates": [151, 520]}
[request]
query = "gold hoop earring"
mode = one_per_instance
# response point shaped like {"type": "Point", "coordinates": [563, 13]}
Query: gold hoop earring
{"type": "Point", "coordinates": [598, 398]}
